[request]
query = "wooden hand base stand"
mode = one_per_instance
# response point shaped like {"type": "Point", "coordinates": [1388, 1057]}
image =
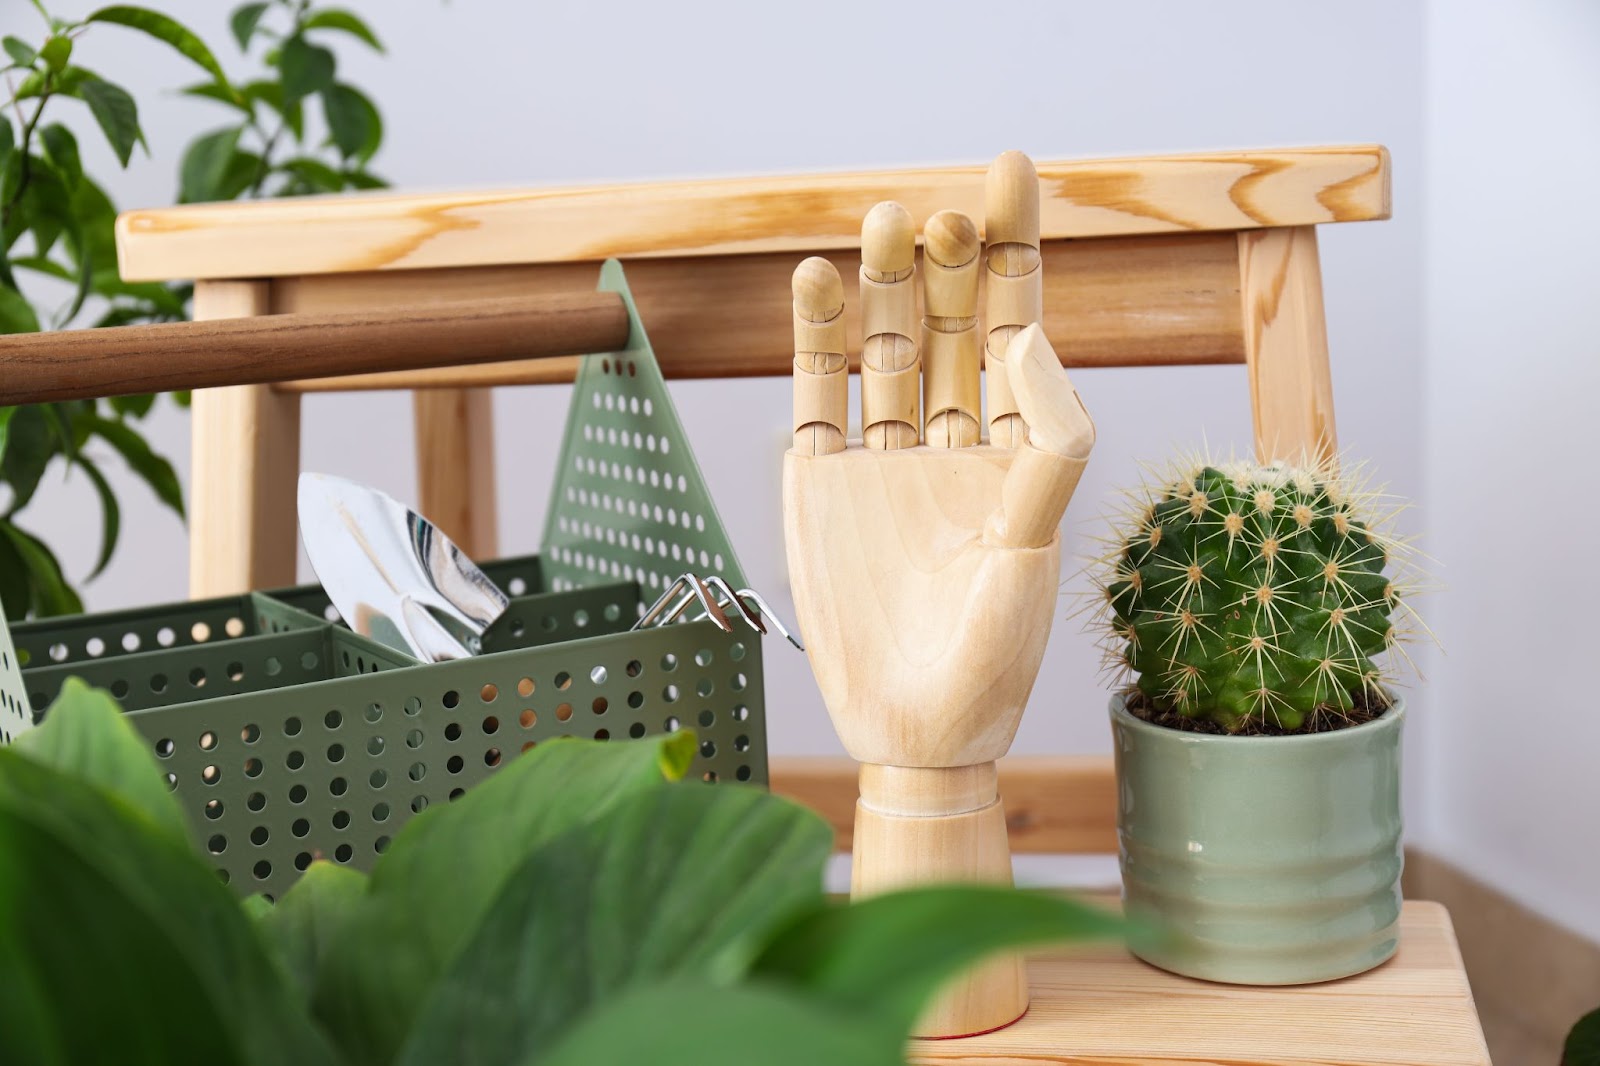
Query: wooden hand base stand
{"type": "Point", "coordinates": [917, 825]}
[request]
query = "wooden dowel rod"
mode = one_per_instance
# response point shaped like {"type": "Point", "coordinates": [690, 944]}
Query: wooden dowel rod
{"type": "Point", "coordinates": [78, 364]}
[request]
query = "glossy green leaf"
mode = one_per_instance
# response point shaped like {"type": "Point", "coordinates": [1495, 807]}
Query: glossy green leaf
{"type": "Point", "coordinates": [430, 890]}
{"type": "Point", "coordinates": [361, 179]}
{"type": "Point", "coordinates": [156, 471]}
{"type": "Point", "coordinates": [165, 29]}
{"type": "Point", "coordinates": [94, 896]}
{"type": "Point", "coordinates": [305, 923]}
{"type": "Point", "coordinates": [1582, 1046]}
{"type": "Point", "coordinates": [316, 175]}
{"type": "Point", "coordinates": [270, 93]}
{"type": "Point", "coordinates": [6, 414]}
{"type": "Point", "coordinates": [55, 52]}
{"type": "Point", "coordinates": [110, 515]}
{"type": "Point", "coordinates": [16, 314]}
{"type": "Point", "coordinates": [701, 1023]}
{"type": "Point", "coordinates": [52, 595]}
{"type": "Point", "coordinates": [887, 955]}
{"type": "Point", "coordinates": [133, 406]}
{"type": "Point", "coordinates": [345, 22]}
{"type": "Point", "coordinates": [307, 68]}
{"type": "Point", "coordinates": [222, 94]}
{"type": "Point", "coordinates": [20, 52]}
{"type": "Point", "coordinates": [31, 444]}
{"type": "Point", "coordinates": [16, 585]}
{"type": "Point", "coordinates": [352, 121]}
{"type": "Point", "coordinates": [243, 22]}
{"type": "Point", "coordinates": [682, 883]}
{"type": "Point", "coordinates": [41, 265]}
{"type": "Point", "coordinates": [61, 148]}
{"type": "Point", "coordinates": [205, 165]}
{"type": "Point", "coordinates": [116, 113]}
{"type": "Point", "coordinates": [92, 740]}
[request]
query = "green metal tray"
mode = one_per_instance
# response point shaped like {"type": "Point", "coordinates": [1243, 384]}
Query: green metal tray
{"type": "Point", "coordinates": [286, 737]}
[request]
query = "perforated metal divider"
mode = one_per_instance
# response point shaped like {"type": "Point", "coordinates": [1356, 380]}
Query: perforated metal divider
{"type": "Point", "coordinates": [629, 501]}
{"type": "Point", "coordinates": [15, 716]}
{"type": "Point", "coordinates": [286, 737]}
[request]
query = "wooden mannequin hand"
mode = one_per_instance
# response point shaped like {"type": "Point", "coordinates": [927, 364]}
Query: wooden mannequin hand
{"type": "Point", "coordinates": [925, 575]}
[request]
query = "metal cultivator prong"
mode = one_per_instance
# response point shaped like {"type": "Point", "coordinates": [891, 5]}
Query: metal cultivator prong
{"type": "Point", "coordinates": [714, 595]}
{"type": "Point", "coordinates": [685, 590]}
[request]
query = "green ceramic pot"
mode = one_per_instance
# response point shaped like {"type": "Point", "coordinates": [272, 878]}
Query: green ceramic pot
{"type": "Point", "coordinates": [1260, 860]}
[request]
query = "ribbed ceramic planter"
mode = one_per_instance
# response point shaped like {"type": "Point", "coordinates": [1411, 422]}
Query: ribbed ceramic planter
{"type": "Point", "coordinates": [1260, 860]}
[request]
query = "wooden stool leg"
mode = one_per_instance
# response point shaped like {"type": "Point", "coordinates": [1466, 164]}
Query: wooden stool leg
{"type": "Point", "coordinates": [455, 465]}
{"type": "Point", "coordinates": [245, 444]}
{"type": "Point", "coordinates": [1286, 344]}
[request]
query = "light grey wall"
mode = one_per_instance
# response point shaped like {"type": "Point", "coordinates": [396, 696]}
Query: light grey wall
{"type": "Point", "coordinates": [1513, 370]}
{"type": "Point", "coordinates": [481, 93]}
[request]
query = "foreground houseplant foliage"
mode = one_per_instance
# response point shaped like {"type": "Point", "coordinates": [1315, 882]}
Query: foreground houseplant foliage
{"type": "Point", "coordinates": [580, 907]}
{"type": "Point", "coordinates": [58, 257]}
{"type": "Point", "coordinates": [1252, 612]}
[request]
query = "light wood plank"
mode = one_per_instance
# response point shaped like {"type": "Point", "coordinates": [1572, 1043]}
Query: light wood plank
{"type": "Point", "coordinates": [455, 465]}
{"type": "Point", "coordinates": [793, 214]}
{"type": "Point", "coordinates": [1127, 301]}
{"type": "Point", "coordinates": [1055, 804]}
{"type": "Point", "coordinates": [1286, 344]}
{"type": "Point", "coordinates": [1098, 1006]}
{"type": "Point", "coordinates": [245, 444]}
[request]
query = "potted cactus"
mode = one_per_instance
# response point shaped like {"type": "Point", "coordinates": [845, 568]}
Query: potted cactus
{"type": "Point", "coordinates": [1254, 613]}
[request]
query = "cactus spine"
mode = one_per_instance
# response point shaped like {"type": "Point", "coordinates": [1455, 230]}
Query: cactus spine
{"type": "Point", "coordinates": [1247, 594]}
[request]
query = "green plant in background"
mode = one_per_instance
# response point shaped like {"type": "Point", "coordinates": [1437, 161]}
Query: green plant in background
{"type": "Point", "coordinates": [582, 906]}
{"type": "Point", "coordinates": [1255, 597]}
{"type": "Point", "coordinates": [56, 222]}
{"type": "Point", "coordinates": [1582, 1046]}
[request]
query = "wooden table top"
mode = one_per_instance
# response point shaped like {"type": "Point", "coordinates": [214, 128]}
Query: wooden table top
{"type": "Point", "coordinates": [1100, 1006]}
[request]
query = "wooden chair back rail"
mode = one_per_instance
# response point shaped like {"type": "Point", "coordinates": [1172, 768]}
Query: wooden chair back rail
{"type": "Point", "coordinates": [80, 364]}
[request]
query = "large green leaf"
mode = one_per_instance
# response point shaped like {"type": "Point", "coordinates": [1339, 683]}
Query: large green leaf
{"type": "Point", "coordinates": [116, 113]}
{"type": "Point", "coordinates": [305, 923]}
{"type": "Point", "coordinates": [222, 94]}
{"type": "Point", "coordinates": [92, 896]}
{"type": "Point", "coordinates": [698, 1023]}
{"type": "Point", "coordinates": [353, 122]}
{"type": "Point", "coordinates": [346, 22]}
{"type": "Point", "coordinates": [52, 595]}
{"type": "Point", "coordinates": [205, 165]}
{"type": "Point", "coordinates": [244, 20]}
{"type": "Point", "coordinates": [165, 29]}
{"type": "Point", "coordinates": [156, 471]}
{"type": "Point", "coordinates": [686, 882]}
{"type": "Point", "coordinates": [6, 414]}
{"type": "Point", "coordinates": [307, 68]}
{"type": "Point", "coordinates": [55, 52]}
{"type": "Point", "coordinates": [21, 52]}
{"type": "Point", "coordinates": [16, 314]}
{"type": "Point", "coordinates": [30, 445]}
{"type": "Point", "coordinates": [110, 515]}
{"type": "Point", "coordinates": [61, 148]}
{"type": "Point", "coordinates": [430, 890]}
{"type": "Point", "coordinates": [1583, 1043]}
{"type": "Point", "coordinates": [887, 955]}
{"type": "Point", "coordinates": [87, 735]}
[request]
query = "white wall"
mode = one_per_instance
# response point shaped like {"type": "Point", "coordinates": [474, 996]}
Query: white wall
{"type": "Point", "coordinates": [481, 93]}
{"type": "Point", "coordinates": [1513, 373]}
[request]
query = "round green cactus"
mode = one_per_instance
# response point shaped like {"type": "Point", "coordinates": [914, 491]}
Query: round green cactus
{"type": "Point", "coordinates": [1240, 593]}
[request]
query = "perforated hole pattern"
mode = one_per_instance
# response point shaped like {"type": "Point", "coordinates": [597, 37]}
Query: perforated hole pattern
{"type": "Point", "coordinates": [629, 501]}
{"type": "Point", "coordinates": [287, 738]}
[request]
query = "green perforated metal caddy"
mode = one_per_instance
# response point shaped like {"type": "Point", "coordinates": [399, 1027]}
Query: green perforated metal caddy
{"type": "Point", "coordinates": [287, 737]}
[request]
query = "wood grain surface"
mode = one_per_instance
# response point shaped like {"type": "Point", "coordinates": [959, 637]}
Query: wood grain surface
{"type": "Point", "coordinates": [1055, 804]}
{"type": "Point", "coordinates": [1101, 1007]}
{"type": "Point", "coordinates": [793, 214]}
{"type": "Point", "coordinates": [1126, 301]}
{"type": "Point", "coordinates": [245, 458]}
